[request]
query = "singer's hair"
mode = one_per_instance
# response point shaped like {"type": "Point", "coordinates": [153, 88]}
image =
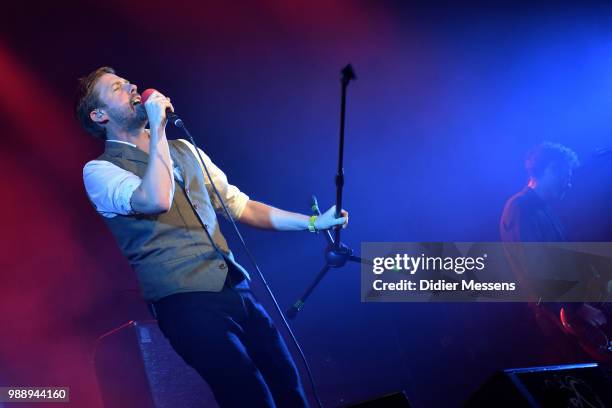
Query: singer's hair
{"type": "Point", "coordinates": [87, 99]}
{"type": "Point", "coordinates": [547, 153]}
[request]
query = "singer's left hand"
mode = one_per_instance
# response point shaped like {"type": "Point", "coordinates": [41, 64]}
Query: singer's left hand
{"type": "Point", "coordinates": [328, 219]}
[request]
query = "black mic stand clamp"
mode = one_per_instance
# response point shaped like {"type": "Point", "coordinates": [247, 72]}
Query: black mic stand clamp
{"type": "Point", "coordinates": [336, 253]}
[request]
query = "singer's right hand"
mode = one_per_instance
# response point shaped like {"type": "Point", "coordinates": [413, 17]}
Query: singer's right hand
{"type": "Point", "coordinates": [156, 107]}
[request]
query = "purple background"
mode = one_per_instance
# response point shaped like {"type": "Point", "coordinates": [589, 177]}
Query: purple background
{"type": "Point", "coordinates": [446, 104]}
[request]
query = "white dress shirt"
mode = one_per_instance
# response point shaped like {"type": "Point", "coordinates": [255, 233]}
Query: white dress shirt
{"type": "Point", "coordinates": [110, 187]}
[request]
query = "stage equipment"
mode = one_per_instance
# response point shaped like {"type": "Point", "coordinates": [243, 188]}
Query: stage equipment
{"type": "Point", "coordinates": [577, 385]}
{"type": "Point", "coordinates": [136, 367]}
{"type": "Point", "coordinates": [395, 400]}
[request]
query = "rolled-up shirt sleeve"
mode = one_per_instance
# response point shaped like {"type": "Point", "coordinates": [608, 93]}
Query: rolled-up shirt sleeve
{"type": "Point", "coordinates": [109, 187]}
{"type": "Point", "coordinates": [234, 199]}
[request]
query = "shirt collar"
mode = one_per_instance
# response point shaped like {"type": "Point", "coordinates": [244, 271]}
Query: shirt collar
{"type": "Point", "coordinates": [121, 141]}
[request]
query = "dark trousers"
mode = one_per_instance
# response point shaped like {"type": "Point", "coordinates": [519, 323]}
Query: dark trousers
{"type": "Point", "coordinates": [230, 340]}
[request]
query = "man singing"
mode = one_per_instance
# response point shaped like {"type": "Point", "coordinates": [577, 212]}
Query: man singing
{"type": "Point", "coordinates": [160, 205]}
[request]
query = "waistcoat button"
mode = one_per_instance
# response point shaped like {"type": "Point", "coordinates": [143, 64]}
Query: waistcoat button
{"type": "Point", "coordinates": [195, 205]}
{"type": "Point", "coordinates": [222, 266]}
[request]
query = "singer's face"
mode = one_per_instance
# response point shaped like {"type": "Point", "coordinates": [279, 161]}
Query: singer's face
{"type": "Point", "coordinates": [121, 101]}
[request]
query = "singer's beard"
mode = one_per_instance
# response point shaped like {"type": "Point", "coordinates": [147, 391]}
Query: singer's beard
{"type": "Point", "coordinates": [130, 119]}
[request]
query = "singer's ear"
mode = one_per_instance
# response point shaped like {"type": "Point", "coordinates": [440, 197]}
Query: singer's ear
{"type": "Point", "coordinates": [98, 116]}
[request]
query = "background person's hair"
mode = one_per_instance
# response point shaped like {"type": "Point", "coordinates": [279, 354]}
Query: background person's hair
{"type": "Point", "coordinates": [547, 153]}
{"type": "Point", "coordinates": [87, 99]}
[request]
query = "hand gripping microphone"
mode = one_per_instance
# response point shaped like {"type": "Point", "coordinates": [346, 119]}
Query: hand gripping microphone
{"type": "Point", "coordinates": [171, 116]}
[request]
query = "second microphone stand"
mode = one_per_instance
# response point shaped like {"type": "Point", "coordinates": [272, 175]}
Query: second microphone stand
{"type": "Point", "coordinates": [336, 253]}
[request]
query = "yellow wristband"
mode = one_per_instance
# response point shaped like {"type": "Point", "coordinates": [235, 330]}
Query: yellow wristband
{"type": "Point", "coordinates": [311, 226]}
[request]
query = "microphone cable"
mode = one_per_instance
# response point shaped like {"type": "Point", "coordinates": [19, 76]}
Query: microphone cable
{"type": "Point", "coordinates": [181, 125]}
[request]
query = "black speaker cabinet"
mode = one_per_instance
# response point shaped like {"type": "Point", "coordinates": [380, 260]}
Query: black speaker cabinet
{"type": "Point", "coordinates": [576, 385]}
{"type": "Point", "coordinates": [136, 367]}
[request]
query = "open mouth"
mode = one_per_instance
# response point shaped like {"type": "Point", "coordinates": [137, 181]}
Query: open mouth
{"type": "Point", "coordinates": [135, 101]}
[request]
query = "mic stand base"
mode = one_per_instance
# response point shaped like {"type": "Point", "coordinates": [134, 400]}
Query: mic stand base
{"type": "Point", "coordinates": [336, 256]}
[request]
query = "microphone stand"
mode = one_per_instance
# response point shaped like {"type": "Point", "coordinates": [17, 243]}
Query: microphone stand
{"type": "Point", "coordinates": [336, 253]}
